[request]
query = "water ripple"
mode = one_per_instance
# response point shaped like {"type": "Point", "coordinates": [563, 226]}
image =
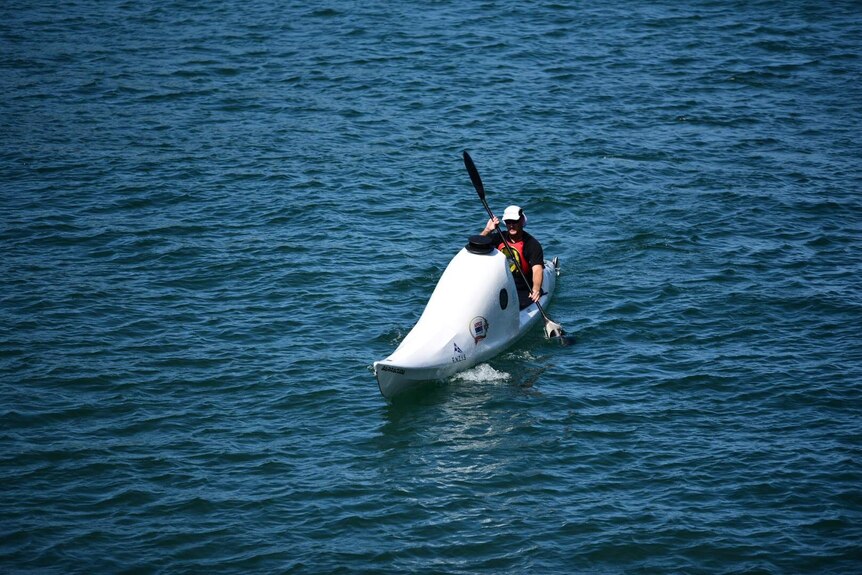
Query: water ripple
{"type": "Point", "coordinates": [216, 217]}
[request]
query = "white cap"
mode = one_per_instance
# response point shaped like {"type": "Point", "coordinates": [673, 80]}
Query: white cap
{"type": "Point", "coordinates": [515, 213]}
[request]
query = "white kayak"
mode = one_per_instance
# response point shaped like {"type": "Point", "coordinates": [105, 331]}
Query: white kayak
{"type": "Point", "coordinates": [471, 317]}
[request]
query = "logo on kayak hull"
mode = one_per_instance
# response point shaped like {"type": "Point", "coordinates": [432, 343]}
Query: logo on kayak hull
{"type": "Point", "coordinates": [478, 328]}
{"type": "Point", "coordinates": [458, 354]}
{"type": "Point", "coordinates": [397, 370]}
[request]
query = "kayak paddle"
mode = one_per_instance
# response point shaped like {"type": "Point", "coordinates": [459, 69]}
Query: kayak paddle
{"type": "Point", "coordinates": [552, 328]}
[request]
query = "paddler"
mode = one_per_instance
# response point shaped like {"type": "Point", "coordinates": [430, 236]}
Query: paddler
{"type": "Point", "coordinates": [527, 253]}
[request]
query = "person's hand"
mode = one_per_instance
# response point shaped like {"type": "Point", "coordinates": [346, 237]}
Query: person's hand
{"type": "Point", "coordinates": [535, 295]}
{"type": "Point", "coordinates": [492, 225]}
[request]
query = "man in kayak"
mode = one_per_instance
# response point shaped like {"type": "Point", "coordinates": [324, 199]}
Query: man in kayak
{"type": "Point", "coordinates": [527, 252]}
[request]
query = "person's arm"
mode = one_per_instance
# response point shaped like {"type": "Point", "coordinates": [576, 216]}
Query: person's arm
{"type": "Point", "coordinates": [538, 278]}
{"type": "Point", "coordinates": [491, 226]}
{"type": "Point", "coordinates": [536, 260]}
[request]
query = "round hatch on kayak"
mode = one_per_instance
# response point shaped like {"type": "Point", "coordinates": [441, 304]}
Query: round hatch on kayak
{"type": "Point", "coordinates": [480, 245]}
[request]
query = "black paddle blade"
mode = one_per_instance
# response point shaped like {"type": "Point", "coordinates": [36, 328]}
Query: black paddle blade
{"type": "Point", "coordinates": [474, 175]}
{"type": "Point", "coordinates": [552, 328]}
{"type": "Point", "coordinates": [564, 340]}
{"type": "Point", "coordinates": [567, 340]}
{"type": "Point", "coordinates": [555, 331]}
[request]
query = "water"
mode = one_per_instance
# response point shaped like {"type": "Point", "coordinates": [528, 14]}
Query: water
{"type": "Point", "coordinates": [216, 215]}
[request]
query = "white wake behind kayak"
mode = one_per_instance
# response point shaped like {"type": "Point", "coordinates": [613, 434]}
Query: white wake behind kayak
{"type": "Point", "coordinates": [471, 317]}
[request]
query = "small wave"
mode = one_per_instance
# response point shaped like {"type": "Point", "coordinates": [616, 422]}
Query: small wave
{"type": "Point", "coordinates": [520, 355]}
{"type": "Point", "coordinates": [483, 373]}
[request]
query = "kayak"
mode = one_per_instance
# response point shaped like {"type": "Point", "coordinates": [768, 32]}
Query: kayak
{"type": "Point", "coordinates": [471, 317]}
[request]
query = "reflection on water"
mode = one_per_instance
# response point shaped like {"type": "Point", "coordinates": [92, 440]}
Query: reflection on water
{"type": "Point", "coordinates": [468, 429]}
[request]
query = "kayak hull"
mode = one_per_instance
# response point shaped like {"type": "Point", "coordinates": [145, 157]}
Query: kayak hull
{"type": "Point", "coordinates": [472, 316]}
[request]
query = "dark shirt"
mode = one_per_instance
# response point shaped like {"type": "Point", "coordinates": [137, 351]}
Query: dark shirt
{"type": "Point", "coordinates": [534, 255]}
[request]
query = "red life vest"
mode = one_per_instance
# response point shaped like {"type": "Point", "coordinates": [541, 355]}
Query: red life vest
{"type": "Point", "coordinates": [517, 254]}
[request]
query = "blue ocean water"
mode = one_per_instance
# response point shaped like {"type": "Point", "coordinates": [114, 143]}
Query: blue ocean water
{"type": "Point", "coordinates": [216, 216]}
